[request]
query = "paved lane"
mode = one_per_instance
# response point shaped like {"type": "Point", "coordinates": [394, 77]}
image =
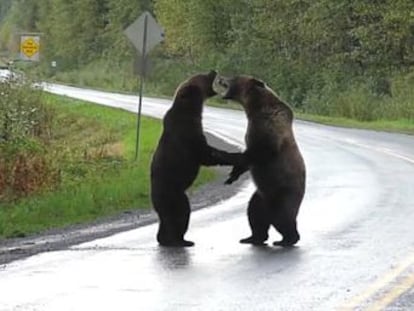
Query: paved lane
{"type": "Point", "coordinates": [355, 222]}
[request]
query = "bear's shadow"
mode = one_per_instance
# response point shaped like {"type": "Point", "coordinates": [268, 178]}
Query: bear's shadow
{"type": "Point", "coordinates": [172, 258]}
{"type": "Point", "coordinates": [175, 258]}
{"type": "Point", "coordinates": [265, 255]}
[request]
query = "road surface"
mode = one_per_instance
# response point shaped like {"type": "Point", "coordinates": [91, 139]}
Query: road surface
{"type": "Point", "coordinates": [356, 250]}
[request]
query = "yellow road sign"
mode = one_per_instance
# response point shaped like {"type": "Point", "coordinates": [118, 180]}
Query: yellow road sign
{"type": "Point", "coordinates": [29, 47]}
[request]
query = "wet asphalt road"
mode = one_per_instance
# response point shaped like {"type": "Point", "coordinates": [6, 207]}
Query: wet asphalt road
{"type": "Point", "coordinates": [356, 250]}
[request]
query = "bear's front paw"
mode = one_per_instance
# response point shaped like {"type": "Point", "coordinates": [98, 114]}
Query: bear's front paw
{"type": "Point", "coordinates": [231, 180]}
{"type": "Point", "coordinates": [235, 173]}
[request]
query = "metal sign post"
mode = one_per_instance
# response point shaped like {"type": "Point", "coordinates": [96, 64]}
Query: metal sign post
{"type": "Point", "coordinates": [144, 34]}
{"type": "Point", "coordinates": [141, 85]}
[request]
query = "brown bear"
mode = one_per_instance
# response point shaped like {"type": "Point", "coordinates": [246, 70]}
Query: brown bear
{"type": "Point", "coordinates": [273, 157]}
{"type": "Point", "coordinates": [181, 150]}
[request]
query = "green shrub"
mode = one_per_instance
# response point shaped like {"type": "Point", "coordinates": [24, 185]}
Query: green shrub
{"type": "Point", "coordinates": [365, 99]}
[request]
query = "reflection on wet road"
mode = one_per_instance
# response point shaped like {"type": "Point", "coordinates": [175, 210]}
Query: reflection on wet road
{"type": "Point", "coordinates": [355, 223]}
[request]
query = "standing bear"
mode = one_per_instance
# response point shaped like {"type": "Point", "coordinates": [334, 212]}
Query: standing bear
{"type": "Point", "coordinates": [273, 157]}
{"type": "Point", "coordinates": [181, 150]}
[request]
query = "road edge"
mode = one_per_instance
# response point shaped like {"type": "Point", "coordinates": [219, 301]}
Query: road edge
{"type": "Point", "coordinates": [63, 238]}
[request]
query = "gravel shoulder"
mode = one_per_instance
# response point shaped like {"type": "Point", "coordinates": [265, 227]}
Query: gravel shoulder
{"type": "Point", "coordinates": [60, 239]}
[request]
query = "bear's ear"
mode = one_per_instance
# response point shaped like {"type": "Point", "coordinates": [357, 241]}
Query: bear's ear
{"type": "Point", "coordinates": [212, 73]}
{"type": "Point", "coordinates": [258, 83]}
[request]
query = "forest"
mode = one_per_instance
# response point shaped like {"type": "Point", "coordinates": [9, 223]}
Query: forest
{"type": "Point", "coordinates": [342, 58]}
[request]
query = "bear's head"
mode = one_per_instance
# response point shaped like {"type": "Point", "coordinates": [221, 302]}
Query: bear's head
{"type": "Point", "coordinates": [197, 87]}
{"type": "Point", "coordinates": [253, 94]}
{"type": "Point", "coordinates": [238, 88]}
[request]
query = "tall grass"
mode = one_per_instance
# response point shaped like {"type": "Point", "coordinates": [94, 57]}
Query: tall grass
{"type": "Point", "coordinates": [359, 102]}
{"type": "Point", "coordinates": [329, 94]}
{"type": "Point", "coordinates": [162, 80]}
{"type": "Point", "coordinates": [25, 122]}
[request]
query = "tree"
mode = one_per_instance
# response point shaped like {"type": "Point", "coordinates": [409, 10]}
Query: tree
{"type": "Point", "coordinates": [121, 13]}
{"type": "Point", "coordinates": [73, 30]}
{"type": "Point", "coordinates": [194, 27]}
{"type": "Point", "coordinates": [21, 17]}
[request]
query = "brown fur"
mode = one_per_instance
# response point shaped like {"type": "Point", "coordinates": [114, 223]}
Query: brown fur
{"type": "Point", "coordinates": [181, 150]}
{"type": "Point", "coordinates": [273, 157]}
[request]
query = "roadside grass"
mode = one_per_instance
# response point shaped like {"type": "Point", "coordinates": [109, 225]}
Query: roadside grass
{"type": "Point", "coordinates": [93, 147]}
{"type": "Point", "coordinates": [334, 103]}
{"type": "Point", "coordinates": [164, 77]}
{"type": "Point", "coordinates": [404, 126]}
{"type": "Point", "coordinates": [356, 107]}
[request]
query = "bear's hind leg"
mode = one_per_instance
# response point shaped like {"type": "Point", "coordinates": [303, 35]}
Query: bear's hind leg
{"type": "Point", "coordinates": [258, 221]}
{"type": "Point", "coordinates": [285, 223]}
{"type": "Point", "coordinates": [168, 234]}
{"type": "Point", "coordinates": [163, 236]}
{"type": "Point", "coordinates": [184, 219]}
{"type": "Point", "coordinates": [173, 221]}
{"type": "Point", "coordinates": [290, 235]}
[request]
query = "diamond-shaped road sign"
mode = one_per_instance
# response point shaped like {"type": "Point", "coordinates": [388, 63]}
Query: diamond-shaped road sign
{"type": "Point", "coordinates": [136, 33]}
{"type": "Point", "coordinates": [144, 34]}
{"type": "Point", "coordinates": [29, 47]}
